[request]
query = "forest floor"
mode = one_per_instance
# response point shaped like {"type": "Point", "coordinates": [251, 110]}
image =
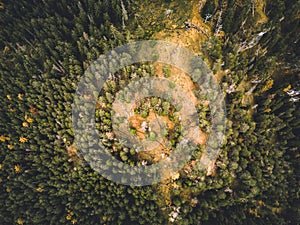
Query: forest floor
{"type": "Point", "coordinates": [260, 6]}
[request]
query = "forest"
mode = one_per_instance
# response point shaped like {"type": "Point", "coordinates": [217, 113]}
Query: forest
{"type": "Point", "coordinates": [251, 47]}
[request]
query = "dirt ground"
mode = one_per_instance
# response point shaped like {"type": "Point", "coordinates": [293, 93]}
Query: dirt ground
{"type": "Point", "coordinates": [191, 39]}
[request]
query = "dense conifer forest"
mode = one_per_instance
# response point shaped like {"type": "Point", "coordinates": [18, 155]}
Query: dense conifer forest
{"type": "Point", "coordinates": [251, 46]}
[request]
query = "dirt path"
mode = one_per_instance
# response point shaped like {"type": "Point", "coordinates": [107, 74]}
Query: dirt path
{"type": "Point", "coordinates": [191, 39]}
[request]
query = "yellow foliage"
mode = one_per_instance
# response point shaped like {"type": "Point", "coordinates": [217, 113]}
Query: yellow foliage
{"type": "Point", "coordinates": [1, 166]}
{"type": "Point", "coordinates": [260, 202]}
{"type": "Point", "coordinates": [11, 109]}
{"type": "Point", "coordinates": [39, 189]}
{"type": "Point", "coordinates": [20, 96]}
{"type": "Point", "coordinates": [10, 147]}
{"type": "Point", "coordinates": [254, 212]}
{"type": "Point", "coordinates": [174, 185]}
{"type": "Point", "coordinates": [221, 34]}
{"type": "Point", "coordinates": [23, 139]}
{"type": "Point", "coordinates": [175, 176]}
{"type": "Point", "coordinates": [73, 221]}
{"type": "Point", "coordinates": [28, 119]}
{"type": "Point", "coordinates": [267, 110]}
{"type": "Point", "coordinates": [25, 124]}
{"type": "Point", "coordinates": [8, 190]}
{"type": "Point", "coordinates": [268, 85]}
{"type": "Point", "coordinates": [3, 138]}
{"type": "Point", "coordinates": [17, 168]}
{"type": "Point", "coordinates": [287, 88]}
{"type": "Point", "coordinates": [8, 97]}
{"type": "Point", "coordinates": [6, 48]}
{"type": "Point", "coordinates": [69, 217]}
{"type": "Point", "coordinates": [20, 221]}
{"type": "Point", "coordinates": [251, 211]}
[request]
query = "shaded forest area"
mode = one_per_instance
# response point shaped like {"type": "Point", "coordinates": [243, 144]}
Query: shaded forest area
{"type": "Point", "coordinates": [251, 46]}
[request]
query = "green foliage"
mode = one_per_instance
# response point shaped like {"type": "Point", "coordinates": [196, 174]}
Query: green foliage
{"type": "Point", "coordinates": [209, 8]}
{"type": "Point", "coordinates": [45, 48]}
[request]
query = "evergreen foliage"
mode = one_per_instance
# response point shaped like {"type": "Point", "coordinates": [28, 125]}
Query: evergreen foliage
{"type": "Point", "coordinates": [46, 47]}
